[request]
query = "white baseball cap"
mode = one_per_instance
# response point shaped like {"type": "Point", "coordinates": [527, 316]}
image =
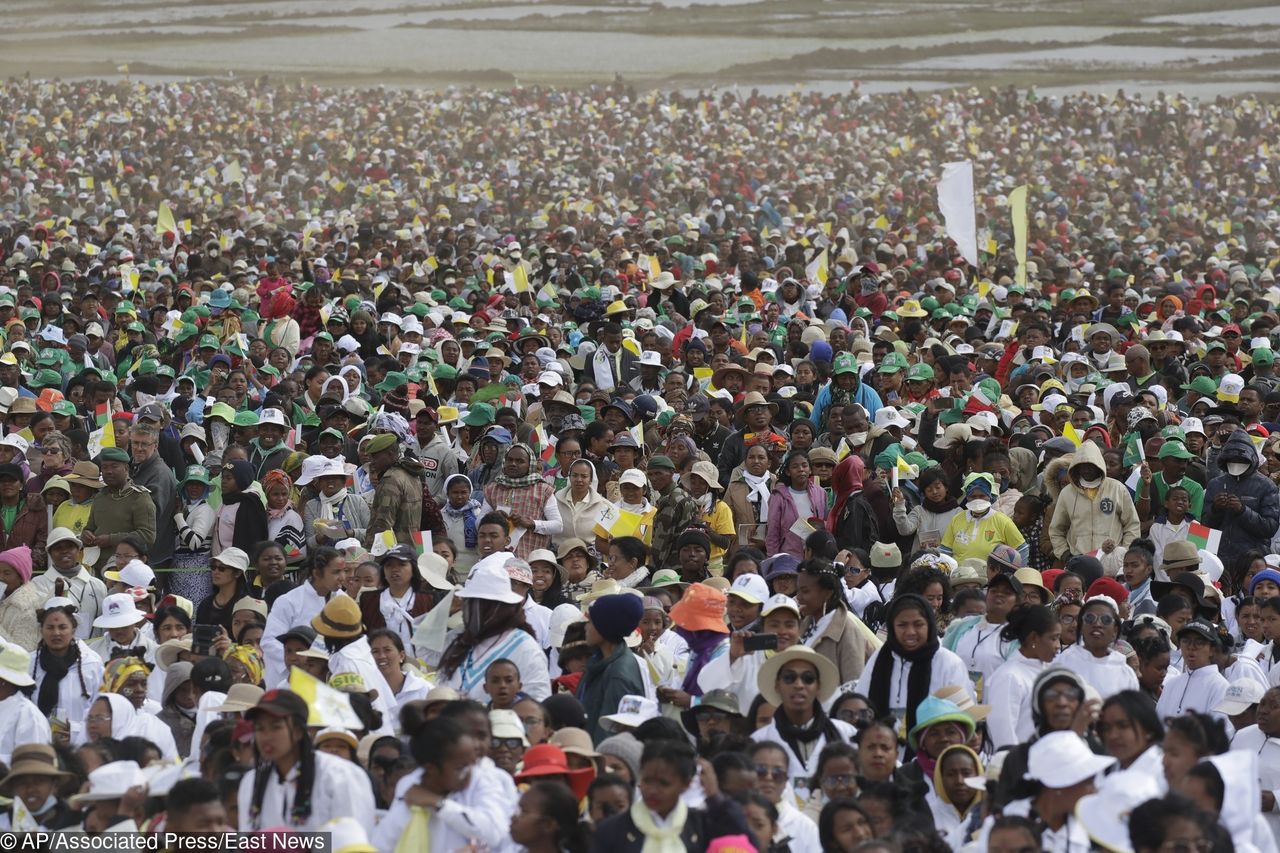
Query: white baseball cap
{"type": "Point", "coordinates": [135, 573]}
{"type": "Point", "coordinates": [273, 416]}
{"type": "Point", "coordinates": [1241, 695]}
{"type": "Point", "coordinates": [751, 588]}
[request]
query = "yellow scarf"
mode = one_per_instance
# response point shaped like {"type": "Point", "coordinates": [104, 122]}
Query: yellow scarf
{"type": "Point", "coordinates": [660, 839]}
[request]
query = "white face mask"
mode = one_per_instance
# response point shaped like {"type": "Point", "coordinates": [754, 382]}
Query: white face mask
{"type": "Point", "coordinates": [1091, 484]}
{"type": "Point", "coordinates": [908, 442]}
{"type": "Point", "coordinates": [1237, 469]}
{"type": "Point", "coordinates": [857, 439]}
{"type": "Point", "coordinates": [978, 507]}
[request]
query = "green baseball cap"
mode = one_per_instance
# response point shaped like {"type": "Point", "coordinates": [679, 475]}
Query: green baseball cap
{"type": "Point", "coordinates": [893, 362]}
{"type": "Point", "coordinates": [393, 380]}
{"type": "Point", "coordinates": [65, 409]}
{"type": "Point", "coordinates": [48, 379]}
{"type": "Point", "coordinates": [1202, 385]}
{"type": "Point", "coordinates": [920, 373]}
{"type": "Point", "coordinates": [246, 419]}
{"type": "Point", "coordinates": [1263, 355]}
{"type": "Point", "coordinates": [844, 363]}
{"type": "Point", "coordinates": [195, 474]}
{"type": "Point", "coordinates": [1174, 450]}
{"type": "Point", "coordinates": [480, 414]}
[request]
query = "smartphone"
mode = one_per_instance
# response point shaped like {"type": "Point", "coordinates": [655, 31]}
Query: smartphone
{"type": "Point", "coordinates": [202, 639]}
{"type": "Point", "coordinates": [760, 643]}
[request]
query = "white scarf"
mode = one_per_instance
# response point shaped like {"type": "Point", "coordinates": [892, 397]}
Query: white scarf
{"type": "Point", "coordinates": [760, 489]}
{"type": "Point", "coordinates": [660, 839]}
{"type": "Point", "coordinates": [600, 363]}
{"type": "Point", "coordinates": [705, 503]}
{"type": "Point", "coordinates": [638, 509]}
{"type": "Point", "coordinates": [329, 505]}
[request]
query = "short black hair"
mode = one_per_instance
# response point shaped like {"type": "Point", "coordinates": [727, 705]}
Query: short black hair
{"type": "Point", "coordinates": [186, 794]}
{"type": "Point", "coordinates": [678, 753]}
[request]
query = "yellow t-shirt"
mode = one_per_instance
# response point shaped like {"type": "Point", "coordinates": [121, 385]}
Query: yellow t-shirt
{"type": "Point", "coordinates": [968, 539]}
{"type": "Point", "coordinates": [720, 522]}
{"type": "Point", "coordinates": [72, 516]}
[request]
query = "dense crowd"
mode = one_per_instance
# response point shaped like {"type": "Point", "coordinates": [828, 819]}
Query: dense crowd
{"type": "Point", "coordinates": [605, 470]}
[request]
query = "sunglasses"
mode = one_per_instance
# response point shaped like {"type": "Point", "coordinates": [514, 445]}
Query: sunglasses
{"type": "Point", "coordinates": [1098, 619]}
{"type": "Point", "coordinates": [777, 774]}
{"type": "Point", "coordinates": [857, 718]}
{"type": "Point", "coordinates": [806, 678]}
{"type": "Point", "coordinates": [509, 743]}
{"type": "Point", "coordinates": [839, 779]}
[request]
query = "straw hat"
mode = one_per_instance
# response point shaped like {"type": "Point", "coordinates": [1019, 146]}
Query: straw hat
{"type": "Point", "coordinates": [767, 679]}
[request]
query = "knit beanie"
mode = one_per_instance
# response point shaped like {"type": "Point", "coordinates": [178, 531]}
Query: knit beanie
{"type": "Point", "coordinates": [616, 616]}
{"type": "Point", "coordinates": [625, 748]}
{"type": "Point", "coordinates": [20, 559]}
{"type": "Point", "coordinates": [820, 351]}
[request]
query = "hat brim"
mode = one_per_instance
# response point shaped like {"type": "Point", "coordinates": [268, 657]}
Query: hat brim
{"type": "Point", "coordinates": [16, 677]}
{"type": "Point", "coordinates": [29, 768]}
{"type": "Point", "coordinates": [501, 598]}
{"type": "Point", "coordinates": [964, 718]}
{"type": "Point", "coordinates": [119, 621]}
{"type": "Point", "coordinates": [828, 675]}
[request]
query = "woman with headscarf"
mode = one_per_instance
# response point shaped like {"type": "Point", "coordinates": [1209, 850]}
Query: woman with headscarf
{"type": "Point", "coordinates": [353, 381]}
{"type": "Point", "coordinates": [493, 628]}
{"type": "Point", "coordinates": [952, 801]}
{"type": "Point", "coordinates": [580, 501]}
{"type": "Point", "coordinates": [528, 501]}
{"type": "Point", "coordinates": [178, 705]}
{"type": "Point", "coordinates": [245, 663]}
{"type": "Point", "coordinates": [851, 519]}
{"type": "Point", "coordinates": [241, 521]}
{"type": "Point", "coordinates": [748, 494]}
{"type": "Point", "coordinates": [284, 525]}
{"type": "Point", "coordinates": [280, 329]}
{"type": "Point", "coordinates": [486, 456]}
{"type": "Point", "coordinates": [365, 331]}
{"type": "Point", "coordinates": [112, 715]}
{"type": "Point", "coordinates": [462, 511]}
{"type": "Point", "coordinates": [912, 663]}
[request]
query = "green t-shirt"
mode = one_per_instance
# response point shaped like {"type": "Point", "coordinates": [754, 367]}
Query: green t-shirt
{"type": "Point", "coordinates": [1194, 490]}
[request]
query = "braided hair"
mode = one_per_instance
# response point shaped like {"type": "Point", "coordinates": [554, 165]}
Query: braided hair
{"type": "Point", "coordinates": [301, 810]}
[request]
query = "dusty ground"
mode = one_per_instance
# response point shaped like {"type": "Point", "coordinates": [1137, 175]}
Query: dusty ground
{"type": "Point", "coordinates": [1196, 46]}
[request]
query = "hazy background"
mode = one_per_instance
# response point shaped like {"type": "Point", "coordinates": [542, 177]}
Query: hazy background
{"type": "Point", "coordinates": [1201, 48]}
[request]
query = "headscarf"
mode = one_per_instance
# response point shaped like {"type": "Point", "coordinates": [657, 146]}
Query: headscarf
{"type": "Point", "coordinates": [118, 672]}
{"type": "Point", "coordinates": [1023, 464]}
{"type": "Point", "coordinates": [937, 773]}
{"type": "Point", "coordinates": [351, 368]}
{"type": "Point", "coordinates": [846, 481]}
{"type": "Point", "coordinates": [921, 660]}
{"type": "Point", "coordinates": [278, 477]}
{"type": "Point", "coordinates": [251, 517]}
{"type": "Point", "coordinates": [532, 478]}
{"type": "Point", "coordinates": [250, 658]}
{"type": "Point", "coordinates": [467, 512]}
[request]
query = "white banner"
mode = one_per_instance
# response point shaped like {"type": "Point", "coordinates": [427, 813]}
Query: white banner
{"type": "Point", "coordinates": [955, 202]}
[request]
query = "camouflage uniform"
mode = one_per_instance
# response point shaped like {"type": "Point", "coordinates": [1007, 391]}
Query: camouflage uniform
{"type": "Point", "coordinates": [676, 511]}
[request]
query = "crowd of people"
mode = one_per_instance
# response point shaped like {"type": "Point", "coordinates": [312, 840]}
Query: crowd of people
{"type": "Point", "coordinates": [601, 470]}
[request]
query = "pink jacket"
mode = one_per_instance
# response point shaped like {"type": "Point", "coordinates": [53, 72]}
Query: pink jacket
{"type": "Point", "coordinates": [783, 514]}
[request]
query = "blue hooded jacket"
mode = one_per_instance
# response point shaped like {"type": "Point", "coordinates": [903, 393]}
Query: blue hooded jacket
{"type": "Point", "coordinates": [1259, 517]}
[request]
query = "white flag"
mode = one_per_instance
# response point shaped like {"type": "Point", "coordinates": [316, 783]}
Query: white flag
{"type": "Point", "coordinates": [955, 201]}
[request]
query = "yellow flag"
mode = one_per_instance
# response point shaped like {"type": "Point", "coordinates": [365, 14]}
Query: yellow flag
{"type": "Point", "coordinates": [655, 268]}
{"type": "Point", "coordinates": [326, 706]}
{"type": "Point", "coordinates": [1068, 431]}
{"type": "Point", "coordinates": [984, 287]}
{"type": "Point", "coordinates": [520, 278]}
{"type": "Point", "coordinates": [383, 542]}
{"type": "Point", "coordinates": [842, 451]}
{"type": "Point", "coordinates": [817, 269]}
{"type": "Point", "coordinates": [109, 433]}
{"type": "Point", "coordinates": [904, 469]}
{"type": "Point", "coordinates": [1018, 210]}
{"type": "Point", "coordinates": [881, 223]}
{"type": "Point", "coordinates": [164, 220]}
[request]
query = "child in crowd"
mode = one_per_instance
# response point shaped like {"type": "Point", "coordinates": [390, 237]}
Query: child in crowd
{"type": "Point", "coordinates": [1174, 524]}
{"type": "Point", "coordinates": [502, 683]}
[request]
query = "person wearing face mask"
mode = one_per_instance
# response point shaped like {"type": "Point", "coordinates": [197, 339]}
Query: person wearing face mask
{"type": "Point", "coordinates": [980, 528]}
{"type": "Point", "coordinates": [1241, 502]}
{"type": "Point", "coordinates": [1092, 511]}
